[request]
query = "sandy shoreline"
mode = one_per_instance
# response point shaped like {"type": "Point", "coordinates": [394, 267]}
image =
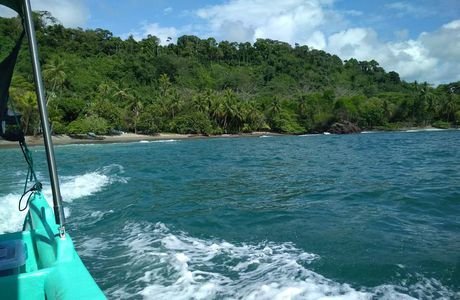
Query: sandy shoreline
{"type": "Point", "coordinates": [125, 138]}
{"type": "Point", "coordinates": [132, 137]}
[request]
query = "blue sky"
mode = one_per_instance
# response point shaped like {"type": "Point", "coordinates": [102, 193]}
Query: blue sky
{"type": "Point", "coordinates": [418, 39]}
{"type": "Point", "coordinates": [386, 17]}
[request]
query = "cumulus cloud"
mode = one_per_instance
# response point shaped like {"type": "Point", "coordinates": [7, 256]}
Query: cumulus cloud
{"type": "Point", "coordinates": [71, 13]}
{"type": "Point", "coordinates": [291, 20]}
{"type": "Point", "coordinates": [167, 10]}
{"type": "Point", "coordinates": [406, 8]}
{"type": "Point", "coordinates": [165, 34]}
{"type": "Point", "coordinates": [409, 58]}
{"type": "Point", "coordinates": [316, 40]}
{"type": "Point", "coordinates": [433, 56]}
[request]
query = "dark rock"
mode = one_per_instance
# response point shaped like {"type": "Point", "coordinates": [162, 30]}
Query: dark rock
{"type": "Point", "coordinates": [88, 136]}
{"type": "Point", "coordinates": [344, 127]}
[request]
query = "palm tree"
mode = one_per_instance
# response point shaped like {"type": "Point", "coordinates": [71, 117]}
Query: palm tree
{"type": "Point", "coordinates": [275, 108]}
{"type": "Point", "coordinates": [28, 106]}
{"type": "Point", "coordinates": [448, 107]}
{"type": "Point", "coordinates": [104, 90]}
{"type": "Point", "coordinates": [303, 105]}
{"type": "Point", "coordinates": [164, 84]}
{"type": "Point", "coordinates": [133, 105]}
{"type": "Point", "coordinates": [217, 110]}
{"type": "Point", "coordinates": [55, 77]}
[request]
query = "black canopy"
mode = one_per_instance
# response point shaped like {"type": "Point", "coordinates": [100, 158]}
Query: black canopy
{"type": "Point", "coordinates": [13, 4]}
{"type": "Point", "coordinates": [6, 74]}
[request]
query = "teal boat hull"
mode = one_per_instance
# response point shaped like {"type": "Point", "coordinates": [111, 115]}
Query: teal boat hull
{"type": "Point", "coordinates": [52, 270]}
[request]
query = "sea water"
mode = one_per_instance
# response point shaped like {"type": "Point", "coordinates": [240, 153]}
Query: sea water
{"type": "Point", "coordinates": [365, 216]}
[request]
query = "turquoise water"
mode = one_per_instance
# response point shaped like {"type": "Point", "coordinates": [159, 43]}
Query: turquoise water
{"type": "Point", "coordinates": [367, 216]}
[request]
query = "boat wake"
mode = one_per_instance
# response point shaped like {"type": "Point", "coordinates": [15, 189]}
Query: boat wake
{"type": "Point", "coordinates": [72, 188]}
{"type": "Point", "coordinates": [160, 264]}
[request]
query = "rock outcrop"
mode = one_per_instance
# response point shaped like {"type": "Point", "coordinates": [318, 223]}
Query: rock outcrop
{"type": "Point", "coordinates": [344, 127]}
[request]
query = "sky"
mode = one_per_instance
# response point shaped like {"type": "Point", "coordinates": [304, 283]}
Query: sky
{"type": "Point", "coordinates": [419, 39]}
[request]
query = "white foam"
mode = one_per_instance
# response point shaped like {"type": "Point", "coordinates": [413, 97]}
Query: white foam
{"type": "Point", "coordinates": [94, 216]}
{"type": "Point", "coordinates": [11, 219]}
{"type": "Point", "coordinates": [266, 136]}
{"type": "Point", "coordinates": [308, 134]}
{"type": "Point", "coordinates": [425, 130]}
{"type": "Point", "coordinates": [81, 186]}
{"type": "Point", "coordinates": [177, 266]}
{"type": "Point", "coordinates": [72, 188]}
{"type": "Point", "coordinates": [90, 247]}
{"type": "Point", "coordinates": [75, 187]}
{"type": "Point", "coordinates": [165, 141]}
{"type": "Point", "coordinates": [144, 142]}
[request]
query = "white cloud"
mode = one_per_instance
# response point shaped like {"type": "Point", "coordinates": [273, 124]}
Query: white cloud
{"type": "Point", "coordinates": [290, 20]}
{"type": "Point", "coordinates": [406, 8]}
{"type": "Point", "coordinates": [452, 25]}
{"type": "Point", "coordinates": [316, 24]}
{"type": "Point", "coordinates": [71, 13]}
{"type": "Point", "coordinates": [432, 57]}
{"type": "Point", "coordinates": [237, 31]}
{"type": "Point", "coordinates": [353, 13]}
{"type": "Point", "coordinates": [167, 10]}
{"type": "Point", "coordinates": [401, 34]}
{"type": "Point", "coordinates": [317, 40]}
{"type": "Point", "coordinates": [165, 34]}
{"type": "Point", "coordinates": [409, 58]}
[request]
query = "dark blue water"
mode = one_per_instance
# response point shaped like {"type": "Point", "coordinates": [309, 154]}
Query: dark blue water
{"type": "Point", "coordinates": [291, 217]}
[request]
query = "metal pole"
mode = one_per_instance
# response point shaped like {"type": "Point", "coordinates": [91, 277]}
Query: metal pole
{"type": "Point", "coordinates": [39, 88]}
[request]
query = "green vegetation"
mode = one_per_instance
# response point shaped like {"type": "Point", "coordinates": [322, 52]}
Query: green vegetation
{"type": "Point", "coordinates": [97, 82]}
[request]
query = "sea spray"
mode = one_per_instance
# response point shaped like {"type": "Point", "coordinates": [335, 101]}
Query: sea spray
{"type": "Point", "coordinates": [11, 218]}
{"type": "Point", "coordinates": [167, 264]}
{"type": "Point", "coordinates": [72, 188]}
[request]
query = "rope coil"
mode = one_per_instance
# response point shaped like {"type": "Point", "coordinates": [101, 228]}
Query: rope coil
{"type": "Point", "coordinates": [36, 188]}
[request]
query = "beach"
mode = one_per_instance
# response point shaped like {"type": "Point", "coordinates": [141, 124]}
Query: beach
{"type": "Point", "coordinates": [124, 138]}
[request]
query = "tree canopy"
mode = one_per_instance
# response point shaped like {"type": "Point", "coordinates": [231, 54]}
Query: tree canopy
{"type": "Point", "coordinates": [98, 82]}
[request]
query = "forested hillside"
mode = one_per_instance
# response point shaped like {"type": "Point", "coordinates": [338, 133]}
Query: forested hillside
{"type": "Point", "coordinates": [97, 82]}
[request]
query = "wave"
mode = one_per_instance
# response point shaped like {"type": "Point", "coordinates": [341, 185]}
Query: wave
{"type": "Point", "coordinates": [165, 141]}
{"type": "Point", "coordinates": [158, 141]}
{"type": "Point", "coordinates": [308, 134]}
{"type": "Point", "coordinates": [425, 130]}
{"type": "Point", "coordinates": [11, 218]}
{"type": "Point", "coordinates": [72, 188]}
{"type": "Point", "coordinates": [160, 264]}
